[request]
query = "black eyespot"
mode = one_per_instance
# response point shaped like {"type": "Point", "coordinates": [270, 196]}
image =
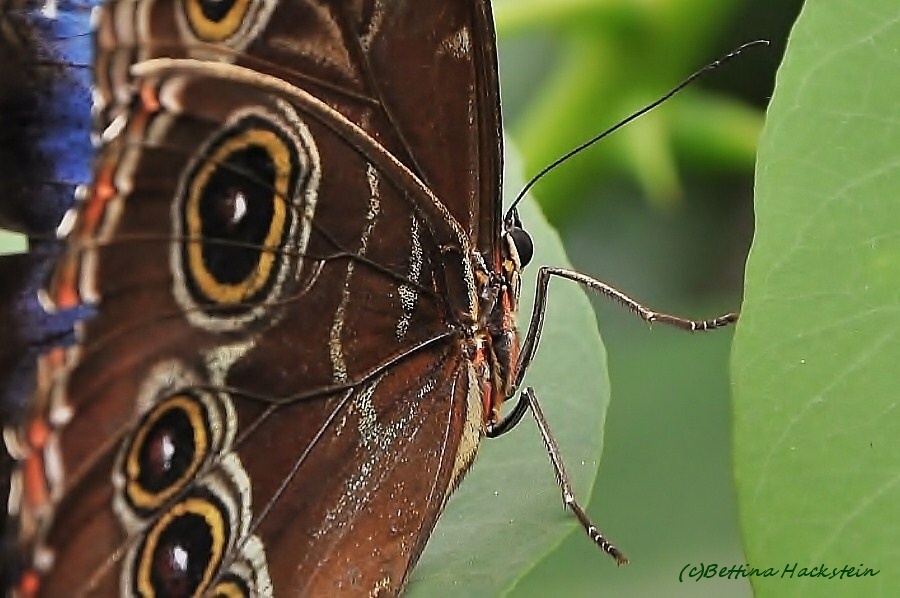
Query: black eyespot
{"type": "Point", "coordinates": [236, 215]}
{"type": "Point", "coordinates": [183, 550]}
{"type": "Point", "coordinates": [237, 206]}
{"type": "Point", "coordinates": [524, 244]}
{"type": "Point", "coordinates": [166, 451]}
{"type": "Point", "coordinates": [180, 558]}
{"type": "Point", "coordinates": [241, 219]}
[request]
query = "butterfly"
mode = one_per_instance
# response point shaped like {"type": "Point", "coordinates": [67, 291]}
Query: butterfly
{"type": "Point", "coordinates": [281, 312]}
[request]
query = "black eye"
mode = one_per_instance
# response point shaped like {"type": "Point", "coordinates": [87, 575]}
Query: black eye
{"type": "Point", "coordinates": [524, 245]}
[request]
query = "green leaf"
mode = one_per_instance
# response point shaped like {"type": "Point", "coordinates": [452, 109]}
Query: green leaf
{"type": "Point", "coordinates": [508, 512]}
{"type": "Point", "coordinates": [12, 243]}
{"type": "Point", "coordinates": [817, 416]}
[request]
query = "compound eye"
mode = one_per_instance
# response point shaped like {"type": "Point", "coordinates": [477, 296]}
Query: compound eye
{"type": "Point", "coordinates": [524, 245]}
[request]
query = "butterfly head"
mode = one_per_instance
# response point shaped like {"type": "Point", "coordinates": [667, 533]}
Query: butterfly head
{"type": "Point", "coordinates": [517, 250]}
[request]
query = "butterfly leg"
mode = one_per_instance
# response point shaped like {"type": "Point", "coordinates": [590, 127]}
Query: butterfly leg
{"type": "Point", "coordinates": [528, 401]}
{"type": "Point", "coordinates": [529, 347]}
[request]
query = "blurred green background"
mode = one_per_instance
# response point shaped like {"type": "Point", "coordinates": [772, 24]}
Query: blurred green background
{"type": "Point", "coordinates": [662, 210]}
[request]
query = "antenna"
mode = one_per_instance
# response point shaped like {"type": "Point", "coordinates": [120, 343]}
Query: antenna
{"type": "Point", "coordinates": [697, 74]}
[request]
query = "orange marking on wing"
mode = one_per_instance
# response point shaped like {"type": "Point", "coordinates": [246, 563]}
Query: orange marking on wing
{"type": "Point", "coordinates": [149, 98]}
{"type": "Point", "coordinates": [30, 583]}
{"type": "Point", "coordinates": [103, 190]}
{"type": "Point", "coordinates": [38, 433]}
{"type": "Point", "coordinates": [149, 105]}
{"type": "Point", "coordinates": [65, 285]}
{"type": "Point", "coordinates": [33, 474]}
{"type": "Point", "coordinates": [34, 482]}
{"type": "Point", "coordinates": [64, 293]}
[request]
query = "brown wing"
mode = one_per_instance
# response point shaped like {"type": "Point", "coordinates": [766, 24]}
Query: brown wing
{"type": "Point", "coordinates": [344, 492]}
{"type": "Point", "coordinates": [271, 292]}
{"type": "Point", "coordinates": [350, 296]}
{"type": "Point", "coordinates": [361, 506]}
{"type": "Point", "coordinates": [418, 76]}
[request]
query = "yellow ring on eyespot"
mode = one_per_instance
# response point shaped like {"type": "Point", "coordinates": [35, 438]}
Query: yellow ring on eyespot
{"type": "Point", "coordinates": [216, 31]}
{"type": "Point", "coordinates": [235, 293]}
{"type": "Point", "coordinates": [137, 494]}
{"type": "Point", "coordinates": [191, 506]}
{"type": "Point", "coordinates": [228, 589]}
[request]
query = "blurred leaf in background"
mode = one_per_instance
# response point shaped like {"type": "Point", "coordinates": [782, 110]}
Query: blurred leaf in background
{"type": "Point", "coordinates": [11, 243]}
{"type": "Point", "coordinates": [606, 59]}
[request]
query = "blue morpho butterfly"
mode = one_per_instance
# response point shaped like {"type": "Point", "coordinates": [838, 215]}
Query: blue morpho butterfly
{"type": "Point", "coordinates": [266, 318]}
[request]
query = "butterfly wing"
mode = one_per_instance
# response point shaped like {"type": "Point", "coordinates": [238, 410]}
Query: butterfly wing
{"type": "Point", "coordinates": [273, 386]}
{"type": "Point", "coordinates": [45, 154]}
{"type": "Point", "coordinates": [420, 77]}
